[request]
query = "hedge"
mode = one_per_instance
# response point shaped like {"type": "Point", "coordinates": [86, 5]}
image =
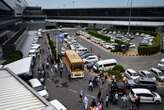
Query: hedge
{"type": "Point", "coordinates": [150, 49]}
{"type": "Point", "coordinates": [16, 55]}
{"type": "Point", "coordinates": [97, 35]}
{"type": "Point", "coordinates": [52, 46]}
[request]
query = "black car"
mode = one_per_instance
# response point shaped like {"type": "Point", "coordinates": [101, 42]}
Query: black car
{"type": "Point", "coordinates": [118, 87]}
{"type": "Point", "coordinates": [142, 83]}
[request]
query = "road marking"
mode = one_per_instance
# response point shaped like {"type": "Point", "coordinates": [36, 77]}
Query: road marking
{"type": "Point", "coordinates": [76, 92]}
{"type": "Point", "coordinates": [90, 96]}
{"type": "Point", "coordinates": [71, 90]}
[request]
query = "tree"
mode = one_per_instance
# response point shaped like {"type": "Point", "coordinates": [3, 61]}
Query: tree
{"type": "Point", "coordinates": [119, 68]}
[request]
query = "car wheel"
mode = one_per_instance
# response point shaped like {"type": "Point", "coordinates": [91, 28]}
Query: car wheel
{"type": "Point", "coordinates": [157, 102]}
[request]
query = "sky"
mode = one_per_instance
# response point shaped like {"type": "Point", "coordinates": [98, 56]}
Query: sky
{"type": "Point", "coordinates": [93, 3]}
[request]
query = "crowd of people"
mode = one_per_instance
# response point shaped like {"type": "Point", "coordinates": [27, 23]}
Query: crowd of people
{"type": "Point", "coordinates": [111, 97]}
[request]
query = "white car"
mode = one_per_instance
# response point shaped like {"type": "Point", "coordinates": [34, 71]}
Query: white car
{"type": "Point", "coordinates": [131, 45]}
{"type": "Point", "coordinates": [161, 64]}
{"type": "Point", "coordinates": [90, 59]}
{"type": "Point", "coordinates": [147, 74]}
{"type": "Point", "coordinates": [131, 74]}
{"type": "Point", "coordinates": [146, 96]}
{"type": "Point", "coordinates": [158, 74]}
{"type": "Point", "coordinates": [38, 87]}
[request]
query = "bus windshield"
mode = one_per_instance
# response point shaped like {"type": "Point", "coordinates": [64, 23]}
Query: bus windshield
{"type": "Point", "coordinates": [77, 67]}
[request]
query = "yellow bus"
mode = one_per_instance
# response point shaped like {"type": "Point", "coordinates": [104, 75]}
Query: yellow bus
{"type": "Point", "coordinates": [74, 64]}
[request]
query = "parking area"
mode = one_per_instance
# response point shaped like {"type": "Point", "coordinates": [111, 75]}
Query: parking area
{"type": "Point", "coordinates": [67, 91]}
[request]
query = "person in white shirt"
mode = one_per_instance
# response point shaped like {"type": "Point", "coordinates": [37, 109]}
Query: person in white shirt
{"type": "Point", "coordinates": [85, 102]}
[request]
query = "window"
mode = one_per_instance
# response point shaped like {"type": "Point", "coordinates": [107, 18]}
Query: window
{"type": "Point", "coordinates": [147, 95]}
{"type": "Point", "coordinates": [129, 73]}
{"type": "Point", "coordinates": [147, 82]}
{"type": "Point", "coordinates": [110, 64]}
{"type": "Point", "coordinates": [39, 88]}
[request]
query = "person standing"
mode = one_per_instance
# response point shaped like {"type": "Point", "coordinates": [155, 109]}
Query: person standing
{"type": "Point", "coordinates": [137, 102]}
{"type": "Point", "coordinates": [61, 72]}
{"type": "Point", "coordinates": [85, 102]}
{"type": "Point", "coordinates": [81, 95]}
{"type": "Point", "coordinates": [107, 100]}
{"type": "Point", "coordinates": [99, 95]}
{"type": "Point", "coordinates": [116, 98]}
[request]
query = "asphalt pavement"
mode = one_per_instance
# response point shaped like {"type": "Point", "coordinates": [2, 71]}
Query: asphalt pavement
{"type": "Point", "coordinates": [67, 92]}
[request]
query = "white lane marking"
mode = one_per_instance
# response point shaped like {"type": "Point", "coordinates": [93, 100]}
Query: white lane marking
{"type": "Point", "coordinates": [76, 92]}
{"type": "Point", "coordinates": [90, 96]}
{"type": "Point", "coordinates": [71, 90]}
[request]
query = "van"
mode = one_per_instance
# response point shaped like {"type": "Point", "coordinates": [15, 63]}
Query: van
{"type": "Point", "coordinates": [36, 47]}
{"type": "Point", "coordinates": [57, 105]}
{"type": "Point", "coordinates": [104, 65]}
{"type": "Point", "coordinates": [38, 87]}
{"type": "Point", "coordinates": [32, 53]}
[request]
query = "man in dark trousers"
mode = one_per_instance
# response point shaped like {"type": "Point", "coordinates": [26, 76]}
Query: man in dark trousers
{"type": "Point", "coordinates": [137, 102]}
{"type": "Point", "coordinates": [99, 95]}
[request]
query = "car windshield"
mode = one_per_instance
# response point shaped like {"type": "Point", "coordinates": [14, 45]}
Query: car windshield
{"type": "Point", "coordinates": [96, 65]}
{"type": "Point", "coordinates": [161, 74]}
{"type": "Point", "coordinates": [39, 88]}
{"type": "Point", "coordinates": [77, 67]}
{"type": "Point", "coordinates": [150, 75]}
{"type": "Point", "coordinates": [136, 80]}
{"type": "Point", "coordinates": [162, 62]}
{"type": "Point", "coordinates": [153, 94]}
{"type": "Point", "coordinates": [135, 74]}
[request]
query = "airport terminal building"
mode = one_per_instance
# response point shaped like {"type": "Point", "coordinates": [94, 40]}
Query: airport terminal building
{"type": "Point", "coordinates": [14, 15]}
{"type": "Point", "coordinates": [151, 16]}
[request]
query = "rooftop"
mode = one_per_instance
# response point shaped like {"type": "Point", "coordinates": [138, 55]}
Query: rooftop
{"type": "Point", "coordinates": [17, 95]}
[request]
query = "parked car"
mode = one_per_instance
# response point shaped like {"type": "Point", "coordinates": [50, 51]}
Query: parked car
{"type": "Point", "coordinates": [82, 49]}
{"type": "Point", "coordinates": [158, 74]}
{"type": "Point", "coordinates": [147, 74]}
{"type": "Point", "coordinates": [90, 64]}
{"type": "Point", "coordinates": [82, 53]}
{"type": "Point", "coordinates": [86, 55]}
{"type": "Point", "coordinates": [102, 42]}
{"type": "Point", "coordinates": [109, 46]}
{"type": "Point", "coordinates": [58, 105]}
{"type": "Point", "coordinates": [118, 87]}
{"type": "Point", "coordinates": [62, 51]}
{"type": "Point", "coordinates": [142, 83]}
{"type": "Point", "coordinates": [161, 64]}
{"type": "Point", "coordinates": [131, 74]}
{"type": "Point", "coordinates": [92, 58]}
{"type": "Point", "coordinates": [146, 96]}
{"type": "Point", "coordinates": [131, 45]}
{"type": "Point", "coordinates": [38, 87]}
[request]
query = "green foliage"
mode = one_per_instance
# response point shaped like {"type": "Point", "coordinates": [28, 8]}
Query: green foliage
{"type": "Point", "coordinates": [52, 46]}
{"type": "Point", "coordinates": [119, 68]}
{"type": "Point", "coordinates": [150, 49]}
{"type": "Point", "coordinates": [97, 35]}
{"type": "Point", "coordinates": [16, 55]}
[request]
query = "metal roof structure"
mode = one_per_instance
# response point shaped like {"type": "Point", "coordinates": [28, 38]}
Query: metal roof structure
{"type": "Point", "coordinates": [123, 23]}
{"type": "Point", "coordinates": [17, 95]}
{"type": "Point", "coordinates": [20, 66]}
